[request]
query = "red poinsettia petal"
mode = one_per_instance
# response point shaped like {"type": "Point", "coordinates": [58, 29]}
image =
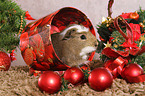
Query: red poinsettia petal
{"type": "Point", "coordinates": [129, 44]}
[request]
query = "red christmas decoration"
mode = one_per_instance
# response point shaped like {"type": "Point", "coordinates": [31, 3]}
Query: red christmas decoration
{"type": "Point", "coordinates": [134, 15]}
{"type": "Point", "coordinates": [131, 15]}
{"type": "Point", "coordinates": [100, 79]}
{"type": "Point", "coordinates": [12, 55]}
{"type": "Point", "coordinates": [37, 35]}
{"type": "Point", "coordinates": [29, 56]}
{"type": "Point", "coordinates": [34, 72]}
{"type": "Point", "coordinates": [131, 71]}
{"type": "Point", "coordinates": [74, 75]}
{"type": "Point", "coordinates": [50, 82]}
{"type": "Point", "coordinates": [5, 61]}
{"type": "Point", "coordinates": [121, 58]}
{"type": "Point", "coordinates": [28, 16]}
{"type": "Point", "coordinates": [115, 71]}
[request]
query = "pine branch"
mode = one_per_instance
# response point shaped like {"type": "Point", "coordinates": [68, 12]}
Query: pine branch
{"type": "Point", "coordinates": [11, 23]}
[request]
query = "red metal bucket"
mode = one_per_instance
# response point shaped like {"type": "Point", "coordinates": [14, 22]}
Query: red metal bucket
{"type": "Point", "coordinates": [35, 41]}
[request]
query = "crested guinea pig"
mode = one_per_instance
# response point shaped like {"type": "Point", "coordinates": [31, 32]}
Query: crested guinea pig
{"type": "Point", "coordinates": [74, 44]}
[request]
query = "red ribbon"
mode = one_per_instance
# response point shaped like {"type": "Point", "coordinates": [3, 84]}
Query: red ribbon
{"type": "Point", "coordinates": [116, 66]}
{"type": "Point", "coordinates": [133, 34]}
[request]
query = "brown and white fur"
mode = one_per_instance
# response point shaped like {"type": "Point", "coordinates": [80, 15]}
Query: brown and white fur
{"type": "Point", "coordinates": [74, 44]}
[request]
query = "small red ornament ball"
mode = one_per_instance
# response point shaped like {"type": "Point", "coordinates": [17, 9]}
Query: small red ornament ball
{"type": "Point", "coordinates": [50, 82]}
{"type": "Point", "coordinates": [131, 70]}
{"type": "Point", "coordinates": [74, 75]}
{"type": "Point", "coordinates": [100, 79]}
{"type": "Point", "coordinates": [5, 61]}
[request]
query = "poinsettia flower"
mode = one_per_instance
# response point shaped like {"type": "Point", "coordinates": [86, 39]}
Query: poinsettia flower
{"type": "Point", "coordinates": [131, 47]}
{"type": "Point", "coordinates": [129, 44]}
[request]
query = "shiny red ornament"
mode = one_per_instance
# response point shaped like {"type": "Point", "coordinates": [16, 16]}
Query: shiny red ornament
{"type": "Point", "coordinates": [130, 71]}
{"type": "Point", "coordinates": [74, 75]}
{"type": "Point", "coordinates": [5, 61]}
{"type": "Point", "coordinates": [50, 82]}
{"type": "Point", "coordinates": [100, 79]}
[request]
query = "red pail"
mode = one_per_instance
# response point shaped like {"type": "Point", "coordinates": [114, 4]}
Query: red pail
{"type": "Point", "coordinates": [35, 41]}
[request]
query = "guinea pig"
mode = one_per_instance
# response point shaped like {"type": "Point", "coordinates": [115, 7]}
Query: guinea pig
{"type": "Point", "coordinates": [74, 44]}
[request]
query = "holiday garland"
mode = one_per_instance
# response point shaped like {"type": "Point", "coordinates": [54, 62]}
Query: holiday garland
{"type": "Point", "coordinates": [12, 23]}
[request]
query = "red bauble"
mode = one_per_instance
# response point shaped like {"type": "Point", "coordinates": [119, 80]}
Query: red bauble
{"type": "Point", "coordinates": [5, 61]}
{"type": "Point", "coordinates": [131, 70]}
{"type": "Point", "coordinates": [100, 79]}
{"type": "Point", "coordinates": [74, 75]}
{"type": "Point", "coordinates": [50, 82]}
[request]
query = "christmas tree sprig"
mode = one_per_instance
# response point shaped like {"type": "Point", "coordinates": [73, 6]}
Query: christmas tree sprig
{"type": "Point", "coordinates": [12, 22]}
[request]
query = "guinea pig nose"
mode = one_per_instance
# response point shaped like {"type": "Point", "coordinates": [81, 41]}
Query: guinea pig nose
{"type": "Point", "coordinates": [96, 44]}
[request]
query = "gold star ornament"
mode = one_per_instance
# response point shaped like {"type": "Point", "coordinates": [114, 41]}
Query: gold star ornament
{"type": "Point", "coordinates": [142, 38]}
{"type": "Point", "coordinates": [108, 44]}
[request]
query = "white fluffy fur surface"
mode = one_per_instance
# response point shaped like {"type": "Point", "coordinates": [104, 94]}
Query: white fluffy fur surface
{"type": "Point", "coordinates": [86, 50]}
{"type": "Point", "coordinates": [79, 28]}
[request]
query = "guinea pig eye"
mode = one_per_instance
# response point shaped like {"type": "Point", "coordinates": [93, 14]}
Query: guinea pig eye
{"type": "Point", "coordinates": [83, 37]}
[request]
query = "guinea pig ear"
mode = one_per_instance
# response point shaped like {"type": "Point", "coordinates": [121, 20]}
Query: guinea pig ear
{"type": "Point", "coordinates": [69, 34]}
